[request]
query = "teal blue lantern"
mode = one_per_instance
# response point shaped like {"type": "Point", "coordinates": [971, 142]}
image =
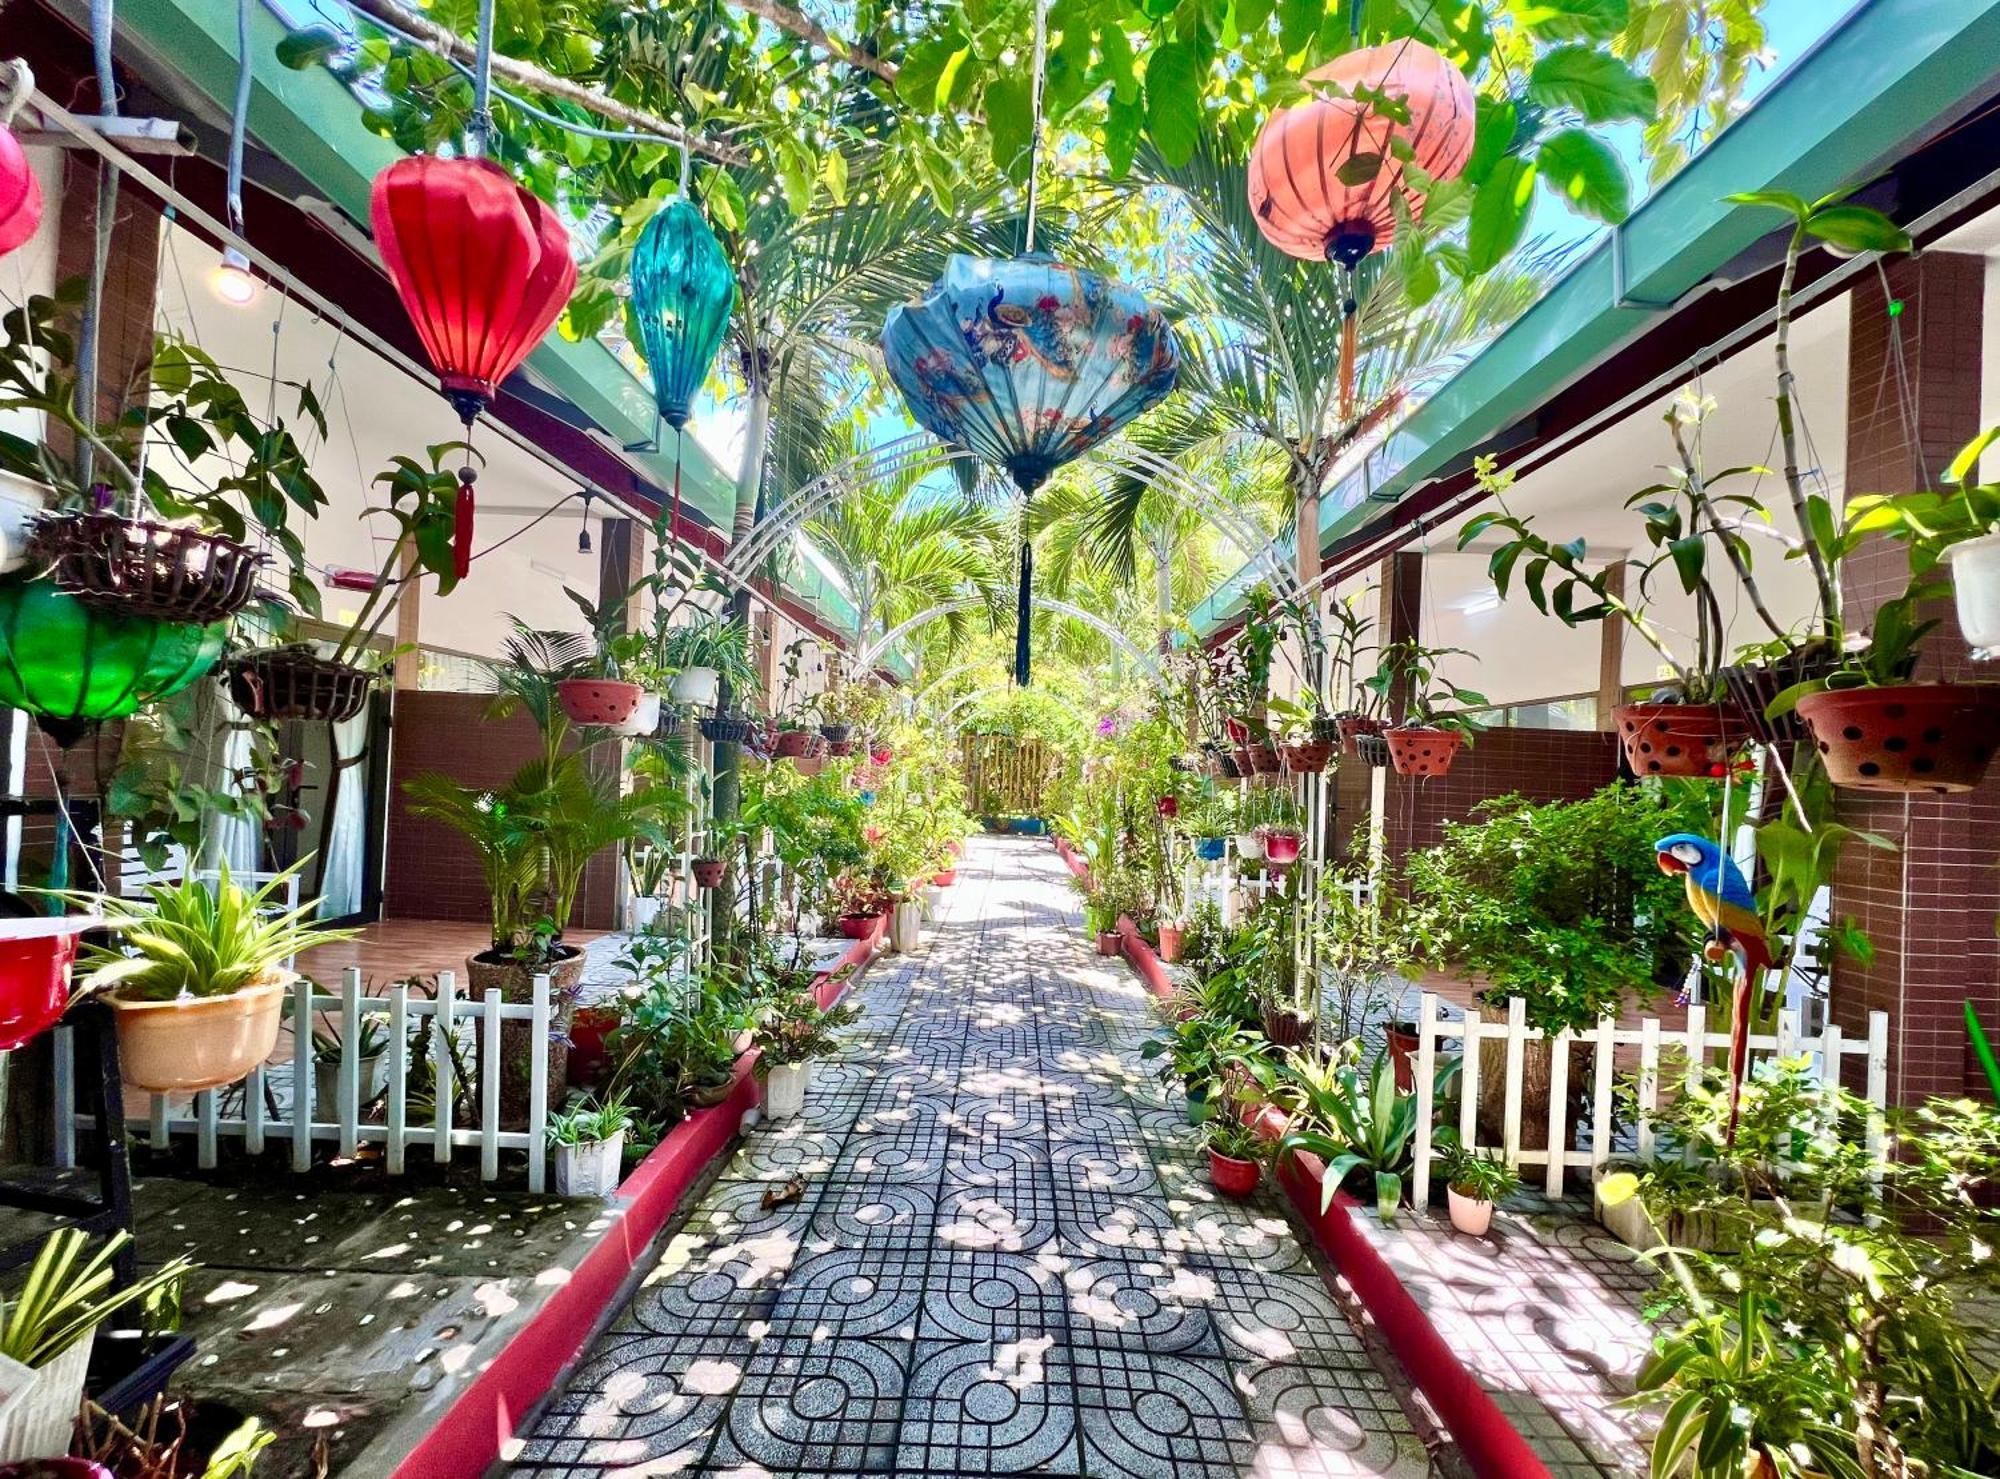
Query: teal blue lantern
{"type": "Point", "coordinates": [682, 291]}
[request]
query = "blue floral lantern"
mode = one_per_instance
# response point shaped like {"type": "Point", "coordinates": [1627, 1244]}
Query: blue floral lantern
{"type": "Point", "coordinates": [1028, 364]}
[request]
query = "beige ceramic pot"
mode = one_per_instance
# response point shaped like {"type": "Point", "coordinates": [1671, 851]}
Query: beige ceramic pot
{"type": "Point", "coordinates": [204, 1042]}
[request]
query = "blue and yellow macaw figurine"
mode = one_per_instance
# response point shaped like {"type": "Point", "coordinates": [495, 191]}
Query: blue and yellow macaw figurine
{"type": "Point", "coordinates": [1721, 899]}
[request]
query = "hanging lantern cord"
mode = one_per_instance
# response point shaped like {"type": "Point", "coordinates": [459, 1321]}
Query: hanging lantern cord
{"type": "Point", "coordinates": [1024, 602]}
{"type": "Point", "coordinates": [482, 81]}
{"type": "Point", "coordinates": [1035, 136]}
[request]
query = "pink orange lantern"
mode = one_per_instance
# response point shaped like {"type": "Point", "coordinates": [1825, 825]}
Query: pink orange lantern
{"type": "Point", "coordinates": [20, 194]}
{"type": "Point", "coordinates": [1440, 102]}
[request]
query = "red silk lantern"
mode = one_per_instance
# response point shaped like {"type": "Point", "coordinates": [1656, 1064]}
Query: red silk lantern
{"type": "Point", "coordinates": [20, 194]}
{"type": "Point", "coordinates": [1436, 95]}
{"type": "Point", "coordinates": [483, 269]}
{"type": "Point", "coordinates": [1322, 181]}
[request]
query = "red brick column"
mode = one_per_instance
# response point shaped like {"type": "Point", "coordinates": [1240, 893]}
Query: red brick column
{"type": "Point", "coordinates": [1929, 908]}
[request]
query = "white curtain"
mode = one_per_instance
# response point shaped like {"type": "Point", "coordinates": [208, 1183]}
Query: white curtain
{"type": "Point", "coordinates": [347, 842]}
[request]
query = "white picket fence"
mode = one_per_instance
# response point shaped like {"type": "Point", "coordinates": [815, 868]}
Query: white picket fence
{"type": "Point", "coordinates": [1475, 1036]}
{"type": "Point", "coordinates": [299, 1119]}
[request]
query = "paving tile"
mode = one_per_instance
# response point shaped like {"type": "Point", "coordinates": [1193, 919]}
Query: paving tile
{"type": "Point", "coordinates": [990, 1408]}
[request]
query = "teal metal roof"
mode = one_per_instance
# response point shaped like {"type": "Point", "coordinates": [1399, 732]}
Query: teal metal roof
{"type": "Point", "coordinates": [1872, 88]}
{"type": "Point", "coordinates": [313, 122]}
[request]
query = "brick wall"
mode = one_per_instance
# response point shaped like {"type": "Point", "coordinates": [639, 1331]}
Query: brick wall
{"type": "Point", "coordinates": [433, 872]}
{"type": "Point", "coordinates": [1542, 764]}
{"type": "Point", "coordinates": [1929, 907]}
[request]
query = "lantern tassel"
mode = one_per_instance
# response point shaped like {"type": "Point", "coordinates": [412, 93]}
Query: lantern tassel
{"type": "Point", "coordinates": [1023, 615]}
{"type": "Point", "coordinates": [462, 513]}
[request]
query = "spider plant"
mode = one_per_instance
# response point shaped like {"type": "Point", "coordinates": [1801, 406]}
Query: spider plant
{"type": "Point", "coordinates": [63, 1301]}
{"type": "Point", "coordinates": [200, 939]}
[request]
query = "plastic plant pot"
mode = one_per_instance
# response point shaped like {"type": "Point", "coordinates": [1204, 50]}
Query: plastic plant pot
{"type": "Point", "coordinates": [181, 1047]}
{"type": "Point", "coordinates": [1936, 737]}
{"type": "Point", "coordinates": [1689, 740]}
{"type": "Point", "coordinates": [1107, 942]}
{"type": "Point", "coordinates": [1211, 849]}
{"type": "Point", "coordinates": [1233, 1178]}
{"type": "Point", "coordinates": [785, 1089]}
{"type": "Point", "coordinates": [1170, 943]}
{"type": "Point", "coordinates": [1198, 1106]}
{"type": "Point", "coordinates": [696, 687]}
{"type": "Point", "coordinates": [945, 879]}
{"type": "Point", "coordinates": [1281, 847]}
{"type": "Point", "coordinates": [1250, 846]}
{"type": "Point", "coordinates": [857, 926]}
{"type": "Point", "coordinates": [605, 702]}
{"type": "Point", "coordinates": [644, 719]}
{"type": "Point", "coordinates": [1468, 1214]}
{"type": "Point", "coordinates": [1308, 757]}
{"type": "Point", "coordinates": [35, 960]}
{"type": "Point", "coordinates": [1975, 577]}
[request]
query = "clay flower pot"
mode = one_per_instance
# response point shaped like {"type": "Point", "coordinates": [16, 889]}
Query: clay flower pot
{"type": "Point", "coordinates": [1281, 847]}
{"type": "Point", "coordinates": [1422, 749]}
{"type": "Point", "coordinates": [1696, 740]}
{"type": "Point", "coordinates": [1264, 757]}
{"type": "Point", "coordinates": [708, 872]}
{"type": "Point", "coordinates": [840, 749]}
{"type": "Point", "coordinates": [1108, 942]}
{"type": "Point", "coordinates": [601, 701]}
{"type": "Point", "coordinates": [791, 744]}
{"type": "Point", "coordinates": [857, 926]}
{"type": "Point", "coordinates": [945, 879]}
{"type": "Point", "coordinates": [1469, 1215]}
{"type": "Point", "coordinates": [1308, 757]}
{"type": "Point", "coordinates": [1402, 1040]}
{"type": "Point", "coordinates": [1917, 737]}
{"type": "Point", "coordinates": [1233, 1178]}
{"type": "Point", "coordinates": [1170, 943]}
{"type": "Point", "coordinates": [1244, 762]}
{"type": "Point", "coordinates": [179, 1047]}
{"type": "Point", "coordinates": [1351, 727]}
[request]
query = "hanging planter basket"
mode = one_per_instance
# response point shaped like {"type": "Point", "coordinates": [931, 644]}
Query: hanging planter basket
{"type": "Point", "coordinates": [836, 733]}
{"type": "Point", "coordinates": [1689, 740]}
{"type": "Point", "coordinates": [1351, 727]}
{"type": "Point", "coordinates": [1229, 767]}
{"type": "Point", "coordinates": [707, 872]}
{"type": "Point", "coordinates": [1308, 757]}
{"type": "Point", "coordinates": [1422, 749]}
{"type": "Point", "coordinates": [295, 682]}
{"type": "Point", "coordinates": [1753, 686]}
{"type": "Point", "coordinates": [1281, 848]}
{"type": "Point", "coordinates": [72, 665]}
{"type": "Point", "coordinates": [35, 960]}
{"type": "Point", "coordinates": [604, 702]}
{"type": "Point", "coordinates": [725, 729]}
{"type": "Point", "coordinates": [1373, 749]}
{"type": "Point", "coordinates": [1264, 758]}
{"type": "Point", "coordinates": [1936, 737]}
{"type": "Point", "coordinates": [791, 744]}
{"type": "Point", "coordinates": [1975, 580]}
{"type": "Point", "coordinates": [161, 571]}
{"type": "Point", "coordinates": [1326, 729]}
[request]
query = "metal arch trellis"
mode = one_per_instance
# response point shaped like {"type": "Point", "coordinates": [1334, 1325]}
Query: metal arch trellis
{"type": "Point", "coordinates": [905, 453]}
{"type": "Point", "coordinates": [867, 656]}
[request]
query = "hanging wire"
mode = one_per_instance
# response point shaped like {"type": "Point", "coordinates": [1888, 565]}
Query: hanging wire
{"type": "Point", "coordinates": [239, 117]}
{"type": "Point", "coordinates": [1035, 103]}
{"type": "Point", "coordinates": [482, 81]}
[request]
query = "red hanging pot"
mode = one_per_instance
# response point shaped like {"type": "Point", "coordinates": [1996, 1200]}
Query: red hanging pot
{"type": "Point", "coordinates": [1281, 847]}
{"type": "Point", "coordinates": [1351, 726]}
{"type": "Point", "coordinates": [707, 872]}
{"type": "Point", "coordinates": [1170, 806]}
{"type": "Point", "coordinates": [601, 701]}
{"type": "Point", "coordinates": [35, 960]}
{"type": "Point", "coordinates": [1308, 757]}
{"type": "Point", "coordinates": [482, 266]}
{"type": "Point", "coordinates": [1419, 749]}
{"type": "Point", "coordinates": [20, 193]}
{"type": "Point", "coordinates": [1695, 740]}
{"type": "Point", "coordinates": [1914, 737]}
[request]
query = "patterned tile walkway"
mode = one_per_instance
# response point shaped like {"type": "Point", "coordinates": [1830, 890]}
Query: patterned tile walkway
{"type": "Point", "coordinates": [1008, 1258]}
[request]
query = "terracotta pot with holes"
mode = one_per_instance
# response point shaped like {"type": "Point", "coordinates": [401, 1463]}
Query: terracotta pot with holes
{"type": "Point", "coordinates": [1352, 726]}
{"type": "Point", "coordinates": [1691, 740]}
{"type": "Point", "coordinates": [602, 701]}
{"type": "Point", "coordinates": [1421, 749]}
{"type": "Point", "coordinates": [1308, 757]}
{"type": "Point", "coordinates": [1918, 737]}
{"type": "Point", "coordinates": [1264, 757]}
{"type": "Point", "coordinates": [708, 872]}
{"type": "Point", "coordinates": [791, 744]}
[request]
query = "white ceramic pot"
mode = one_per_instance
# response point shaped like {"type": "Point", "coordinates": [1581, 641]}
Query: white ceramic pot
{"type": "Point", "coordinates": [21, 501]}
{"type": "Point", "coordinates": [785, 1090]}
{"type": "Point", "coordinates": [645, 719]}
{"type": "Point", "coordinates": [38, 1424]}
{"type": "Point", "coordinates": [589, 1169]}
{"type": "Point", "coordinates": [1469, 1216]}
{"type": "Point", "coordinates": [696, 686]}
{"type": "Point", "coordinates": [645, 911]}
{"type": "Point", "coordinates": [326, 1085]}
{"type": "Point", "coordinates": [905, 925]}
{"type": "Point", "coordinates": [1250, 845]}
{"type": "Point", "coordinates": [1975, 580]}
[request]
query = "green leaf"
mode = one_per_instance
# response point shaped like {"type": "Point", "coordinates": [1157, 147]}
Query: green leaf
{"type": "Point", "coordinates": [309, 47]}
{"type": "Point", "coordinates": [1587, 173]}
{"type": "Point", "coordinates": [1617, 1188]}
{"type": "Point", "coordinates": [1574, 20]}
{"type": "Point", "coordinates": [725, 201]}
{"type": "Point", "coordinates": [1123, 123]}
{"type": "Point", "coordinates": [1298, 23]}
{"type": "Point", "coordinates": [1115, 53]}
{"type": "Point", "coordinates": [1252, 16]}
{"type": "Point", "coordinates": [1966, 463]}
{"type": "Point", "coordinates": [1856, 228]}
{"type": "Point", "coordinates": [1778, 200]}
{"type": "Point", "coordinates": [1422, 280]}
{"type": "Point", "coordinates": [1498, 120]}
{"type": "Point", "coordinates": [1010, 123]}
{"type": "Point", "coordinates": [1595, 83]}
{"type": "Point", "coordinates": [1500, 213]}
{"type": "Point", "coordinates": [1173, 102]}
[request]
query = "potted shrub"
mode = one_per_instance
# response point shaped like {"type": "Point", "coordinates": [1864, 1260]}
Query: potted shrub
{"type": "Point", "coordinates": [1212, 1057]}
{"type": "Point", "coordinates": [196, 982]}
{"type": "Point", "coordinates": [589, 1142]}
{"type": "Point", "coordinates": [47, 1331]}
{"type": "Point", "coordinates": [1474, 1180]}
{"type": "Point", "coordinates": [703, 1046]}
{"type": "Point", "coordinates": [791, 1033]}
{"type": "Point", "coordinates": [856, 903]}
{"type": "Point", "coordinates": [1236, 1155]}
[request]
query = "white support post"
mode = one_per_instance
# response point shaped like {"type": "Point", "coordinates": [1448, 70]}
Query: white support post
{"type": "Point", "coordinates": [1878, 1082]}
{"type": "Point", "coordinates": [302, 1074]}
{"type": "Point", "coordinates": [63, 1052]}
{"type": "Point", "coordinates": [156, 1129]}
{"type": "Point", "coordinates": [395, 1117]}
{"type": "Point", "coordinates": [1517, 1049]}
{"type": "Point", "coordinates": [1426, 1076]}
{"type": "Point", "coordinates": [1649, 1083]}
{"type": "Point", "coordinates": [1695, 1046]}
{"type": "Point", "coordinates": [441, 1038]}
{"type": "Point", "coordinates": [489, 1085]}
{"type": "Point", "coordinates": [253, 1110]}
{"type": "Point", "coordinates": [1558, 1112]}
{"type": "Point", "coordinates": [1600, 1106]}
{"type": "Point", "coordinates": [204, 1124]}
{"type": "Point", "coordinates": [538, 1082]}
{"type": "Point", "coordinates": [1468, 1081]}
{"type": "Point", "coordinates": [350, 1061]}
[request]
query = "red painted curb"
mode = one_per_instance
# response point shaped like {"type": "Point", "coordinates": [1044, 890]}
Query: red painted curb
{"type": "Point", "coordinates": [1145, 960]}
{"type": "Point", "coordinates": [1076, 864]}
{"type": "Point", "coordinates": [470, 1435]}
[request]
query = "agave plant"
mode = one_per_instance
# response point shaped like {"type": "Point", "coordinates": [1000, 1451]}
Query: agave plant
{"type": "Point", "coordinates": [63, 1302]}
{"type": "Point", "coordinates": [199, 937]}
{"type": "Point", "coordinates": [1352, 1120]}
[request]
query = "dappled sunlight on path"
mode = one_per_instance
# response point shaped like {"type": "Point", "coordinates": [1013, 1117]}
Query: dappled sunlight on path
{"type": "Point", "coordinates": [1007, 1259]}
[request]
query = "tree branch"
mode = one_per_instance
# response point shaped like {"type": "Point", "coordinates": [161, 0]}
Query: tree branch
{"type": "Point", "coordinates": [803, 26]}
{"type": "Point", "coordinates": [454, 47]}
